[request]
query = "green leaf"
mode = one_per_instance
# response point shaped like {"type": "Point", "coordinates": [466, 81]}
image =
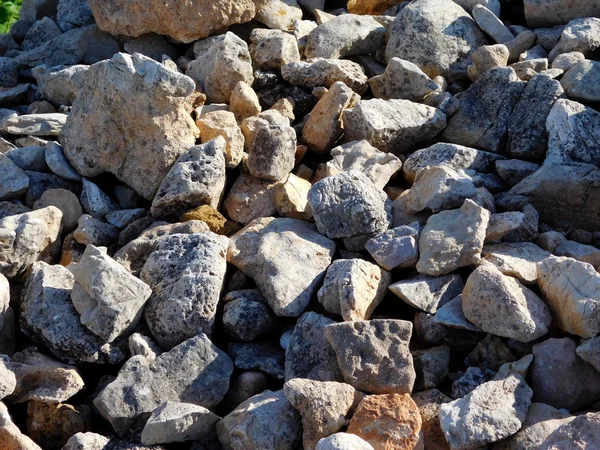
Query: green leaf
{"type": "Point", "coordinates": [9, 14]}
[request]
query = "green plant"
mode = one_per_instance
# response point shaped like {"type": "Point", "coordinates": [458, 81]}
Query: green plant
{"type": "Point", "coordinates": [9, 13]}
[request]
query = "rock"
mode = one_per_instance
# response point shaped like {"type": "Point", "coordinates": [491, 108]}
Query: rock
{"type": "Point", "coordinates": [589, 351]}
{"type": "Point", "coordinates": [9, 381]}
{"type": "Point", "coordinates": [47, 295]}
{"type": "Point", "coordinates": [398, 247]}
{"type": "Point", "coordinates": [491, 24]}
{"type": "Point", "coordinates": [278, 14]}
{"type": "Point", "coordinates": [266, 421]}
{"type": "Point", "coordinates": [108, 298]}
{"type": "Point", "coordinates": [583, 430]}
{"type": "Point", "coordinates": [223, 123]}
{"type": "Point", "coordinates": [184, 374]}
{"type": "Point", "coordinates": [216, 222]}
{"type": "Point", "coordinates": [186, 275]}
{"type": "Point", "coordinates": [28, 158]}
{"type": "Point", "coordinates": [392, 125]}
{"type": "Point", "coordinates": [153, 46]}
{"type": "Point", "coordinates": [247, 385]}
{"type": "Point", "coordinates": [11, 436]}
{"type": "Point", "coordinates": [178, 422]}
{"type": "Point", "coordinates": [10, 209]}
{"type": "Point", "coordinates": [345, 35]}
{"type": "Point", "coordinates": [96, 202]}
{"type": "Point", "coordinates": [429, 403]}
{"type": "Point", "coordinates": [272, 151]}
{"type": "Point", "coordinates": [221, 62]}
{"type": "Point", "coordinates": [52, 425]}
{"type": "Point", "coordinates": [343, 441]}
{"type": "Point", "coordinates": [488, 57]}
{"type": "Point", "coordinates": [27, 238]}
{"type": "Point", "coordinates": [469, 380]}
{"type": "Point", "coordinates": [402, 80]}
{"type": "Point", "coordinates": [373, 355]}
{"type": "Point", "coordinates": [584, 253]}
{"type": "Point", "coordinates": [560, 378]}
{"type": "Point", "coordinates": [451, 315]}
{"type": "Point", "coordinates": [353, 288]}
{"type": "Point", "coordinates": [291, 198]}
{"type": "Point", "coordinates": [571, 289]}
{"type": "Point", "coordinates": [144, 346]}
{"type": "Point", "coordinates": [325, 406]}
{"type": "Point", "coordinates": [431, 366]}
{"type": "Point", "coordinates": [56, 161]}
{"type": "Point", "coordinates": [7, 322]}
{"type": "Point", "coordinates": [516, 260]}
{"type": "Point", "coordinates": [185, 23]}
{"type": "Point", "coordinates": [93, 231]}
{"type": "Point", "coordinates": [196, 178]}
{"type": "Point", "coordinates": [34, 124]}
{"type": "Point", "coordinates": [427, 293]}
{"type": "Point", "coordinates": [579, 82]}
{"type": "Point", "coordinates": [60, 84]}
{"type": "Point", "coordinates": [361, 156]}
{"type": "Point", "coordinates": [504, 225]}
{"type": "Point", "coordinates": [272, 49]}
{"type": "Point", "coordinates": [73, 14]}
{"type": "Point", "coordinates": [485, 109]}
{"type": "Point", "coordinates": [348, 205]}
{"type": "Point", "coordinates": [454, 156]}
{"type": "Point", "coordinates": [452, 239]}
{"type": "Point", "coordinates": [13, 181]}
{"type": "Point", "coordinates": [286, 279]}
{"type": "Point", "coordinates": [389, 421]}
{"type": "Point", "coordinates": [437, 36]}
{"type": "Point", "coordinates": [546, 13]}
{"type": "Point", "coordinates": [580, 35]}
{"type": "Point", "coordinates": [40, 32]}
{"type": "Point", "coordinates": [86, 441]}
{"type": "Point", "coordinates": [123, 217]}
{"type": "Point", "coordinates": [325, 72]}
{"type": "Point", "coordinates": [490, 354]}
{"type": "Point", "coordinates": [513, 171]}
{"type": "Point", "coordinates": [309, 354]}
{"type": "Point", "coordinates": [40, 182]}
{"type": "Point", "coordinates": [565, 61]}
{"type": "Point", "coordinates": [246, 320]}
{"type": "Point", "coordinates": [267, 357]}
{"type": "Point", "coordinates": [324, 126]}
{"type": "Point", "coordinates": [250, 198]}
{"type": "Point", "coordinates": [493, 411]}
{"type": "Point", "coordinates": [243, 102]}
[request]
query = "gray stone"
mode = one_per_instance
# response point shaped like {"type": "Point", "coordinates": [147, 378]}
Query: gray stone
{"type": "Point", "coordinates": [13, 181]}
{"type": "Point", "coordinates": [93, 231]}
{"type": "Point", "coordinates": [266, 421]}
{"type": "Point", "coordinates": [565, 61]}
{"type": "Point", "coordinates": [28, 158]}
{"type": "Point", "coordinates": [545, 13]}
{"type": "Point", "coordinates": [392, 125]}
{"type": "Point", "coordinates": [490, 354]}
{"type": "Point", "coordinates": [503, 224]}
{"type": "Point", "coordinates": [289, 278]}
{"type": "Point", "coordinates": [343, 441]}
{"type": "Point", "coordinates": [55, 158]}
{"type": "Point", "coordinates": [272, 151]}
{"type": "Point", "coordinates": [60, 84]}
{"type": "Point", "coordinates": [186, 275]}
{"type": "Point", "coordinates": [96, 202]}
{"type": "Point", "coordinates": [272, 49]}
{"type": "Point", "coordinates": [153, 140]}
{"type": "Point", "coordinates": [40, 32]}
{"type": "Point", "coordinates": [581, 81]}
{"type": "Point", "coordinates": [345, 35]}
{"type": "Point", "coordinates": [223, 123]}
{"type": "Point", "coordinates": [151, 45]}
{"type": "Point", "coordinates": [73, 14]}
{"type": "Point", "coordinates": [246, 385]}
{"type": "Point", "coordinates": [267, 358]}
{"type": "Point", "coordinates": [490, 23]}
{"type": "Point", "coordinates": [582, 430]}
{"type": "Point", "coordinates": [589, 351]}
{"type": "Point", "coordinates": [580, 35]}
{"type": "Point", "coordinates": [66, 201]}
{"type": "Point", "coordinates": [178, 422]}
{"type": "Point", "coordinates": [584, 253]}
{"type": "Point", "coordinates": [485, 110]}
{"type": "Point", "coordinates": [348, 205]}
{"type": "Point", "coordinates": [493, 5]}
{"type": "Point", "coordinates": [7, 323]}
{"type": "Point", "coordinates": [309, 355]}
{"type": "Point", "coordinates": [562, 379]}
{"type": "Point", "coordinates": [246, 320]}
{"type": "Point", "coordinates": [428, 293]}
{"type": "Point", "coordinates": [86, 441]}
{"type": "Point", "coordinates": [437, 36]}
{"type": "Point", "coordinates": [398, 247]}
{"type": "Point", "coordinates": [123, 217]}
{"type": "Point", "coordinates": [34, 124]}
{"type": "Point", "coordinates": [193, 372]}
{"type": "Point", "coordinates": [469, 380]}
{"type": "Point", "coordinates": [325, 72]}
{"type": "Point", "coordinates": [12, 96]}
{"type": "Point", "coordinates": [513, 171]}
{"type": "Point", "coordinates": [221, 62]}
{"type": "Point", "coordinates": [8, 381]}
{"type": "Point", "coordinates": [373, 355]}
{"type": "Point", "coordinates": [402, 80]}
{"type": "Point", "coordinates": [278, 14]}
{"type": "Point", "coordinates": [516, 260]}
{"type": "Point", "coordinates": [431, 366]}
{"type": "Point", "coordinates": [451, 315]}
{"type": "Point", "coordinates": [143, 346]}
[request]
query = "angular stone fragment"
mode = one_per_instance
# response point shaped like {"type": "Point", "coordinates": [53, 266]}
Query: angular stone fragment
{"type": "Point", "coordinates": [373, 355]}
{"type": "Point", "coordinates": [197, 178]}
{"type": "Point", "coordinates": [345, 35]}
{"type": "Point", "coordinates": [546, 13]}
{"type": "Point", "coordinates": [266, 421]}
{"type": "Point", "coordinates": [292, 198]}
{"type": "Point", "coordinates": [13, 180]}
{"type": "Point", "coordinates": [452, 239]}
{"type": "Point", "coordinates": [246, 320]}
{"type": "Point", "coordinates": [572, 289]}
{"type": "Point", "coordinates": [582, 430]}
{"type": "Point", "coordinates": [451, 315]}
{"type": "Point", "coordinates": [589, 351]}
{"type": "Point", "coordinates": [427, 293]}
{"type": "Point", "coordinates": [186, 275]}
{"type": "Point", "coordinates": [223, 123]}
{"type": "Point", "coordinates": [488, 57]}
{"type": "Point", "coordinates": [35, 124]}
{"type": "Point", "coordinates": [271, 155]}
{"type": "Point", "coordinates": [268, 358]}
{"type": "Point", "coordinates": [86, 441]}
{"type": "Point", "coordinates": [93, 231]}
{"type": "Point", "coordinates": [581, 80]}
{"type": "Point", "coordinates": [27, 238]}
{"type": "Point", "coordinates": [52, 424]}
{"type": "Point", "coordinates": [429, 403]}
{"type": "Point", "coordinates": [272, 49]}
{"type": "Point", "coordinates": [388, 421]}
{"type": "Point", "coordinates": [325, 406]}
{"type": "Point", "coordinates": [187, 374]}
{"type": "Point", "coordinates": [325, 72]}
{"type": "Point", "coordinates": [431, 366]}
{"type": "Point", "coordinates": [516, 260]}
{"type": "Point", "coordinates": [392, 125]}
{"type": "Point", "coordinates": [398, 247]}
{"type": "Point", "coordinates": [491, 24]}
{"type": "Point", "coordinates": [513, 171]}
{"type": "Point", "coordinates": [115, 144]}
{"type": "Point", "coordinates": [56, 160]}
{"type": "Point", "coordinates": [250, 198]}
{"type": "Point", "coordinates": [10, 435]}
{"type": "Point", "coordinates": [95, 202]}
{"type": "Point", "coordinates": [403, 80]}
{"type": "Point", "coordinates": [580, 35]}
{"type": "Point", "coordinates": [243, 103]}
{"type": "Point", "coordinates": [437, 36]}
{"type": "Point", "coordinates": [60, 84]}
{"type": "Point", "coordinates": [278, 14]}
{"type": "Point", "coordinates": [185, 22]}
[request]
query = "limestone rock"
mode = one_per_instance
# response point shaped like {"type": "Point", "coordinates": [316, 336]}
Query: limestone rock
{"type": "Point", "coordinates": [325, 72]}
{"type": "Point", "coordinates": [403, 80]}
{"type": "Point", "coordinates": [35, 124]}
{"type": "Point", "coordinates": [185, 22]}
{"type": "Point", "coordinates": [580, 81]}
{"type": "Point", "coordinates": [93, 231]}
{"type": "Point", "coordinates": [251, 198]}
{"type": "Point", "coordinates": [267, 358]}
{"type": "Point", "coordinates": [489, 56]}
{"type": "Point", "coordinates": [431, 366]}
{"type": "Point", "coordinates": [113, 144]}
{"type": "Point", "coordinates": [246, 320]}
{"type": "Point", "coordinates": [11, 436]}
{"type": "Point", "coordinates": [223, 123]}
{"type": "Point", "coordinates": [13, 180]}
{"type": "Point", "coordinates": [57, 162]}
{"type": "Point", "coordinates": [95, 202]}
{"type": "Point", "coordinates": [186, 374]}
{"type": "Point", "coordinates": [272, 151]}
{"type": "Point", "coordinates": [343, 441]}
{"type": "Point", "coordinates": [589, 351]}
{"type": "Point", "coordinates": [243, 103]}
{"type": "Point", "coordinates": [452, 239]}
{"type": "Point", "coordinates": [516, 260]}
{"type": "Point", "coordinates": [451, 315]}
{"type": "Point", "coordinates": [429, 403]}
{"type": "Point", "coordinates": [427, 293]}
{"type": "Point", "coordinates": [60, 84]}
{"type": "Point", "coordinates": [546, 13]}
{"type": "Point", "coordinates": [272, 49]}
{"type": "Point", "coordinates": [398, 247]}
{"type": "Point", "coordinates": [186, 275]}
{"type": "Point", "coordinates": [582, 430]}
{"type": "Point", "coordinates": [72, 14]}
{"type": "Point", "coordinates": [86, 441]}
{"type": "Point", "coordinates": [392, 125]}
{"type": "Point", "coordinates": [513, 171]}
{"type": "Point", "coordinates": [292, 198]}
{"type": "Point", "coordinates": [491, 24]}
{"type": "Point", "coordinates": [51, 424]}
{"type": "Point", "coordinates": [278, 14]}
{"type": "Point", "coordinates": [580, 35]}
{"type": "Point", "coordinates": [373, 355]}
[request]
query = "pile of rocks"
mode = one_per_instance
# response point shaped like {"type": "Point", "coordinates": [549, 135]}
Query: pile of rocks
{"type": "Point", "coordinates": [311, 224]}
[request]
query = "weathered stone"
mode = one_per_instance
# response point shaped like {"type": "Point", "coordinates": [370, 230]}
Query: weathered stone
{"type": "Point", "coordinates": [287, 278]}
{"type": "Point", "coordinates": [278, 14]}
{"type": "Point", "coordinates": [95, 202]}
{"type": "Point", "coordinates": [345, 35]}
{"type": "Point", "coordinates": [325, 406]}
{"type": "Point", "coordinates": [60, 84]}
{"type": "Point", "coordinates": [246, 320]}
{"type": "Point", "coordinates": [40, 32]}
{"type": "Point", "coordinates": [186, 275]}
{"type": "Point", "coordinates": [35, 124]}
{"type": "Point", "coordinates": [491, 24]}
{"type": "Point", "coordinates": [451, 315]}
{"type": "Point", "coordinates": [490, 354]}
{"type": "Point", "coordinates": [565, 61]}
{"type": "Point", "coordinates": [13, 180]}
{"type": "Point", "coordinates": [86, 441]}
{"type": "Point", "coordinates": [580, 35]}
{"type": "Point", "coordinates": [266, 421]}
{"type": "Point", "coordinates": [388, 421]}
{"type": "Point", "coordinates": [178, 422]}
{"type": "Point", "coordinates": [398, 247]}
{"type": "Point", "coordinates": [251, 198]}
{"type": "Point", "coordinates": [309, 355]}
{"type": "Point", "coordinates": [325, 72]}
{"type": "Point", "coordinates": [392, 125]}
{"type": "Point", "coordinates": [584, 253]}
{"type": "Point", "coordinates": [243, 103]}
{"type": "Point", "coordinates": [57, 162]}
{"type": "Point", "coordinates": [428, 293]}
{"type": "Point", "coordinates": [291, 198]}
{"type": "Point", "coordinates": [452, 239]}
{"type": "Point", "coordinates": [487, 57]}
{"type": "Point", "coordinates": [246, 385]}
{"type": "Point", "coordinates": [516, 260]}
{"type": "Point", "coordinates": [343, 441]}
{"type": "Point", "coordinates": [503, 224]}
{"type": "Point", "coordinates": [559, 377]}
{"type": "Point", "coordinates": [223, 123]}
{"type": "Point", "coordinates": [589, 351]}
{"type": "Point", "coordinates": [51, 425]}
{"type": "Point", "coordinates": [437, 36]}
{"type": "Point", "coordinates": [184, 22]}
{"type": "Point", "coordinates": [402, 80]}
{"type": "Point", "coordinates": [10, 435]}
{"type": "Point", "coordinates": [271, 155]}
{"type": "Point", "coordinates": [513, 171]}
{"type": "Point", "coordinates": [123, 217]}
{"type": "Point", "coordinates": [546, 13]}
{"type": "Point", "coordinates": [28, 158]}
{"type": "Point", "coordinates": [73, 14]}
{"type": "Point", "coordinates": [221, 62]}
{"type": "Point", "coordinates": [571, 289]}
{"type": "Point", "coordinates": [429, 403]}
{"type": "Point", "coordinates": [582, 430]}
{"type": "Point", "coordinates": [267, 358]}
{"type": "Point", "coordinates": [93, 231]}
{"type": "Point", "coordinates": [167, 128]}
{"type": "Point", "coordinates": [431, 366]}
{"type": "Point", "coordinates": [186, 374]}
{"type": "Point", "coordinates": [373, 355]}
{"type": "Point", "coordinates": [272, 49]}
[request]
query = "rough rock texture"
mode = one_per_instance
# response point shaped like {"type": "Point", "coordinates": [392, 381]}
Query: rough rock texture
{"type": "Point", "coordinates": [271, 152]}
{"type": "Point", "coordinates": [583, 430]}
{"type": "Point", "coordinates": [343, 441]}
{"type": "Point", "coordinates": [184, 22]}
{"type": "Point", "coordinates": [51, 424]}
{"type": "Point", "coordinates": [251, 198]}
{"type": "Point", "coordinates": [10, 435]}
{"type": "Point", "coordinates": [13, 180]}
{"type": "Point", "coordinates": [404, 80]}
{"type": "Point", "coordinates": [427, 293]}
{"type": "Point", "coordinates": [398, 247]}
{"type": "Point", "coordinates": [516, 260]}
{"type": "Point", "coordinates": [223, 123]}
{"type": "Point", "coordinates": [325, 72]}
{"type": "Point", "coordinates": [429, 403]}
{"type": "Point", "coordinates": [546, 13]}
